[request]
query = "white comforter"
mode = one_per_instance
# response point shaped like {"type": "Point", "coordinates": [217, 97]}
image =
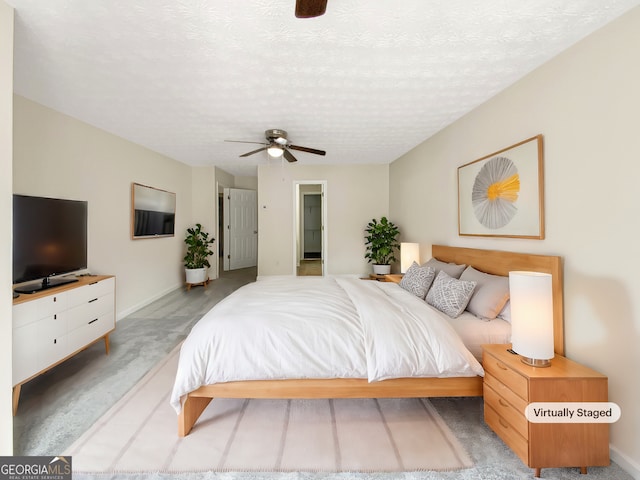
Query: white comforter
{"type": "Point", "coordinates": [282, 328]}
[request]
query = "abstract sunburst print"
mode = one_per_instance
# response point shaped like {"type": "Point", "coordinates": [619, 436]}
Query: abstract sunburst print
{"type": "Point", "coordinates": [495, 193]}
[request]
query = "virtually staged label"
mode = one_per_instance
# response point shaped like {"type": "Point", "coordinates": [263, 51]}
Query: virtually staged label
{"type": "Point", "coordinates": [572, 412]}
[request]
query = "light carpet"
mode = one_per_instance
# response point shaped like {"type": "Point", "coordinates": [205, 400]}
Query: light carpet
{"type": "Point", "coordinates": [139, 434]}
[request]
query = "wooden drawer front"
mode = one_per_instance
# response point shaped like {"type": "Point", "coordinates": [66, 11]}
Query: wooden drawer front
{"type": "Point", "coordinates": [511, 379]}
{"type": "Point", "coordinates": [52, 349]}
{"type": "Point", "coordinates": [505, 392]}
{"type": "Point", "coordinates": [25, 313]}
{"type": "Point", "coordinates": [91, 331]}
{"type": "Point", "coordinates": [94, 308]}
{"type": "Point", "coordinates": [507, 433]}
{"type": "Point", "coordinates": [89, 292]}
{"type": "Point", "coordinates": [25, 357]}
{"type": "Point", "coordinates": [51, 304]}
{"type": "Point", "coordinates": [35, 310]}
{"type": "Point", "coordinates": [506, 411]}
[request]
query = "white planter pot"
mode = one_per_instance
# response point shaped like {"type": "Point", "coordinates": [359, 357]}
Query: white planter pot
{"type": "Point", "coordinates": [196, 275]}
{"type": "Point", "coordinates": [381, 269]}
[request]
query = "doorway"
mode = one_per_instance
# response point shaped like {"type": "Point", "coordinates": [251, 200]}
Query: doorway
{"type": "Point", "coordinates": [240, 228]}
{"type": "Point", "coordinates": [309, 228]}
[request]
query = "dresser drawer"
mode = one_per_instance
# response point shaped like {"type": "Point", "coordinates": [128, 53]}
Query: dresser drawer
{"type": "Point", "coordinates": [505, 392]}
{"type": "Point", "coordinates": [90, 292]}
{"type": "Point", "coordinates": [507, 433]}
{"type": "Point", "coordinates": [506, 411]}
{"type": "Point", "coordinates": [514, 381]}
{"type": "Point", "coordinates": [94, 308]}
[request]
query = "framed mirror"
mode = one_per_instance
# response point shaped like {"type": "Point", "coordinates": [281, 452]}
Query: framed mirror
{"type": "Point", "coordinates": [153, 212]}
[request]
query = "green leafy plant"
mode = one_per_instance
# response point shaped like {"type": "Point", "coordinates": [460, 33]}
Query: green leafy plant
{"type": "Point", "coordinates": [381, 241]}
{"type": "Point", "coordinates": [198, 251]}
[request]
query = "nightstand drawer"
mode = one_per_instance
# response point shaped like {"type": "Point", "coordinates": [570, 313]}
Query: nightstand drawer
{"type": "Point", "coordinates": [505, 392]}
{"type": "Point", "coordinates": [506, 411]}
{"type": "Point", "coordinates": [516, 382]}
{"type": "Point", "coordinates": [507, 433]}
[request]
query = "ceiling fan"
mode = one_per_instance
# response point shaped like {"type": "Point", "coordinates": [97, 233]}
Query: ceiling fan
{"type": "Point", "coordinates": [277, 145]}
{"type": "Point", "coordinates": [310, 8]}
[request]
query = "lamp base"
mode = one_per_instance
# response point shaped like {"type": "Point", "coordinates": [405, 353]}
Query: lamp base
{"type": "Point", "coordinates": [536, 362]}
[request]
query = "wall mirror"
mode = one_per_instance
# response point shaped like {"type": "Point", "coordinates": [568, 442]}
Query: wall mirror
{"type": "Point", "coordinates": [153, 212]}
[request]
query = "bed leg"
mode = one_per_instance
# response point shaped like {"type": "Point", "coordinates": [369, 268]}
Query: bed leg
{"type": "Point", "coordinates": [191, 411]}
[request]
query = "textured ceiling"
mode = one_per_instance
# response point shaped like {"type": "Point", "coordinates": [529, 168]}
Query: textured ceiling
{"type": "Point", "coordinates": [366, 82]}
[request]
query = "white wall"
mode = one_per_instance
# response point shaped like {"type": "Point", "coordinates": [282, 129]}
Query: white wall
{"type": "Point", "coordinates": [6, 142]}
{"type": "Point", "coordinates": [355, 194]}
{"type": "Point", "coordinates": [586, 103]}
{"type": "Point", "coordinates": [58, 156]}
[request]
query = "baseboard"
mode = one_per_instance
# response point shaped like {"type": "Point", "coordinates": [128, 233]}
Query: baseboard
{"type": "Point", "coordinates": [135, 308]}
{"type": "Point", "coordinates": [626, 463]}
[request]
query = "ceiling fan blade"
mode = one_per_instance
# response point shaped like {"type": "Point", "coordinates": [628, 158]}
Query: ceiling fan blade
{"type": "Point", "coordinates": [307, 149]}
{"type": "Point", "coordinates": [310, 8]}
{"type": "Point", "coordinates": [288, 157]}
{"type": "Point", "coordinates": [243, 141]}
{"type": "Point", "coordinates": [254, 151]}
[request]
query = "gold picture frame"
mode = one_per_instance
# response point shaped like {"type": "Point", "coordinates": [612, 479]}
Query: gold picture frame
{"type": "Point", "coordinates": [502, 194]}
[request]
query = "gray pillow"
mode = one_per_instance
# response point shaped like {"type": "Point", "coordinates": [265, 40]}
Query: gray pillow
{"type": "Point", "coordinates": [450, 295]}
{"type": "Point", "coordinates": [451, 269]}
{"type": "Point", "coordinates": [417, 279]}
{"type": "Point", "coordinates": [491, 293]}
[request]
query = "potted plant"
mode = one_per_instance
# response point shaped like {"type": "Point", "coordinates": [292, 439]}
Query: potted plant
{"type": "Point", "coordinates": [381, 244]}
{"type": "Point", "coordinates": [196, 261]}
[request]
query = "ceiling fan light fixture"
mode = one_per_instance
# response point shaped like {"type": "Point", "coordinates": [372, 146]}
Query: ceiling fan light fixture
{"type": "Point", "coordinates": [275, 152]}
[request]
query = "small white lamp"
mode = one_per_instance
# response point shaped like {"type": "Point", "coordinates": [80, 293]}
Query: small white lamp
{"type": "Point", "coordinates": [531, 297]}
{"type": "Point", "coordinates": [409, 253]}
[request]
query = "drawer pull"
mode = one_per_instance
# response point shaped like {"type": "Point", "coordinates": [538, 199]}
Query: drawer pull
{"type": "Point", "coordinates": [55, 299]}
{"type": "Point", "coordinates": [501, 366]}
{"type": "Point", "coordinates": [94, 300]}
{"type": "Point", "coordinates": [55, 317]}
{"type": "Point", "coordinates": [94, 320]}
{"type": "Point", "coordinates": [93, 283]}
{"type": "Point", "coordinates": [55, 340]}
{"type": "Point", "coordinates": [503, 423]}
{"type": "Point", "coordinates": [502, 402]}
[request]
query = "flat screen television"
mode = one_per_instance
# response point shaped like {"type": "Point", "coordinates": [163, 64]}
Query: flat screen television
{"type": "Point", "coordinates": [49, 240]}
{"type": "Point", "coordinates": [153, 212]}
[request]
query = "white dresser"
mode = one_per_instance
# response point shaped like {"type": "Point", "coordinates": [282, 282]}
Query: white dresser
{"type": "Point", "coordinates": [52, 325]}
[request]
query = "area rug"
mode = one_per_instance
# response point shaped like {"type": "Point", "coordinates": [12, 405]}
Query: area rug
{"type": "Point", "coordinates": [139, 434]}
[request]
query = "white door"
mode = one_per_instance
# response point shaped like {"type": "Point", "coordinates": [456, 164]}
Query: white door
{"type": "Point", "coordinates": [241, 228]}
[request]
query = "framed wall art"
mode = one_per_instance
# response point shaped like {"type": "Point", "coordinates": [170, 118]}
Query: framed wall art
{"type": "Point", "coordinates": [501, 195]}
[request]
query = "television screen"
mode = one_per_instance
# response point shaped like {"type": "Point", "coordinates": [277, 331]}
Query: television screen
{"type": "Point", "coordinates": [154, 212]}
{"type": "Point", "coordinates": [49, 237]}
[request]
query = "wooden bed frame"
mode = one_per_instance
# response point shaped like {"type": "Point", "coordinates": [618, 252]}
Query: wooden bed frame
{"type": "Point", "coordinates": [489, 261]}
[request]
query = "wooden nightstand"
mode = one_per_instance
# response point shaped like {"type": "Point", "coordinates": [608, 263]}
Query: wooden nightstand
{"type": "Point", "coordinates": [393, 277]}
{"type": "Point", "coordinates": [510, 385]}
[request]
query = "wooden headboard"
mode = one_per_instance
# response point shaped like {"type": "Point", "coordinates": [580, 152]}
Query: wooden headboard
{"type": "Point", "coordinates": [501, 263]}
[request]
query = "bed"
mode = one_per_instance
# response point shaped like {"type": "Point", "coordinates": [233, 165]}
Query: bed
{"type": "Point", "coordinates": [353, 379]}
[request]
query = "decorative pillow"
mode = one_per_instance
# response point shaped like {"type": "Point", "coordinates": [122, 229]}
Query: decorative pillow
{"type": "Point", "coordinates": [505, 313]}
{"type": "Point", "coordinates": [417, 279]}
{"type": "Point", "coordinates": [450, 295]}
{"type": "Point", "coordinates": [491, 293]}
{"type": "Point", "coordinates": [451, 269]}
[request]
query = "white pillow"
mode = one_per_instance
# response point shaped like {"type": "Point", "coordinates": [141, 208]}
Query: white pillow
{"type": "Point", "coordinates": [450, 295]}
{"type": "Point", "coordinates": [417, 280]}
{"type": "Point", "coordinates": [491, 293]}
{"type": "Point", "coordinates": [452, 269]}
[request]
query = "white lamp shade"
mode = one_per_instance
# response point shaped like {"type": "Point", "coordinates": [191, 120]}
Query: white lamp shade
{"type": "Point", "coordinates": [409, 253]}
{"type": "Point", "coordinates": [531, 297]}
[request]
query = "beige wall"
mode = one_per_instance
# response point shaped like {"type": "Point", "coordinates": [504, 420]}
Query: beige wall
{"type": "Point", "coordinates": [6, 127]}
{"type": "Point", "coordinates": [585, 102]}
{"type": "Point", "coordinates": [355, 194]}
{"type": "Point", "coordinates": [58, 156]}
